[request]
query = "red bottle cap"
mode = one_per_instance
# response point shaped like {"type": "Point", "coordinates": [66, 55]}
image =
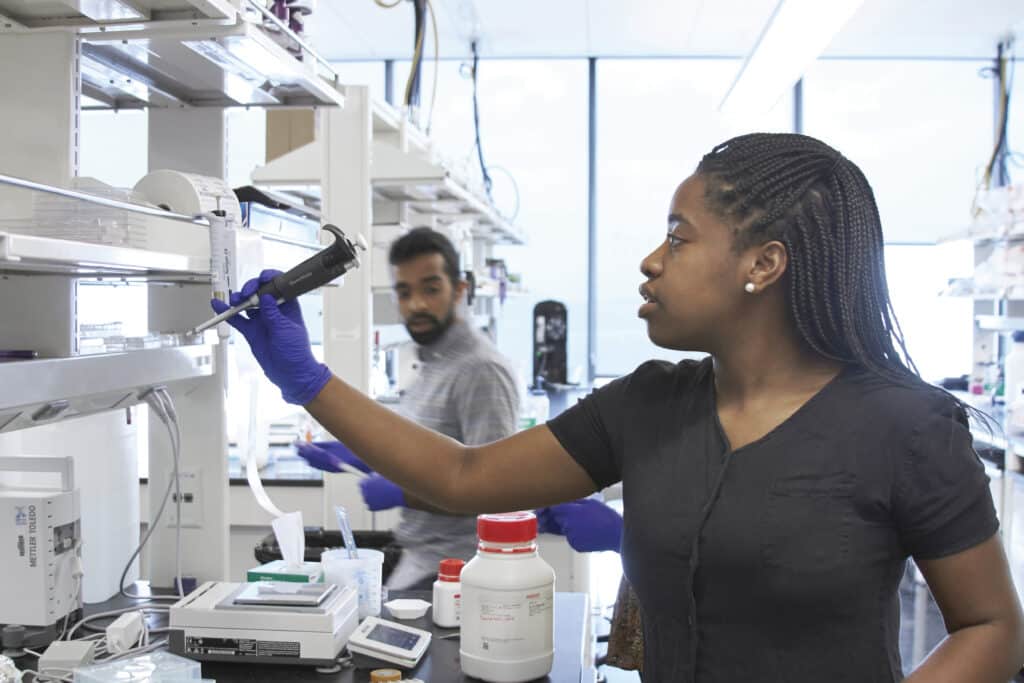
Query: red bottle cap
{"type": "Point", "coordinates": [451, 569]}
{"type": "Point", "coordinates": [510, 527]}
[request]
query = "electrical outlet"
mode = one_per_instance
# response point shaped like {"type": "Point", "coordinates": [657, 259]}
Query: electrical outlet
{"type": "Point", "coordinates": [191, 500]}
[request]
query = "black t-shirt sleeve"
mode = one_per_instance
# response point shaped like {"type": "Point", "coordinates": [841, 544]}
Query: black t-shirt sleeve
{"type": "Point", "coordinates": [591, 431]}
{"type": "Point", "coordinates": [942, 502]}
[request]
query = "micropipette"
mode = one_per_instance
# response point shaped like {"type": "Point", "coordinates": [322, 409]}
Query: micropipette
{"type": "Point", "coordinates": [316, 271]}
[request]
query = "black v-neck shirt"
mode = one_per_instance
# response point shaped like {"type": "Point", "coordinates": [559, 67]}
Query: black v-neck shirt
{"type": "Point", "coordinates": [779, 561]}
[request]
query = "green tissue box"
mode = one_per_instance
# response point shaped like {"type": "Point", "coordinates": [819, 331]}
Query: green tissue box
{"type": "Point", "coordinates": [309, 572]}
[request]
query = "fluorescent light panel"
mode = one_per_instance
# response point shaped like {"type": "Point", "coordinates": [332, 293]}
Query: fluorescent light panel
{"type": "Point", "coordinates": [795, 35]}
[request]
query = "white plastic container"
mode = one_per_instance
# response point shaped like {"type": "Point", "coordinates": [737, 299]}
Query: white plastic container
{"type": "Point", "coordinates": [363, 574]}
{"type": "Point", "coordinates": [448, 593]}
{"type": "Point", "coordinates": [153, 667]}
{"type": "Point", "coordinates": [507, 630]}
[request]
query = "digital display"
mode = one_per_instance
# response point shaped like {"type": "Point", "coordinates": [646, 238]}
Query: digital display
{"type": "Point", "coordinates": [393, 636]}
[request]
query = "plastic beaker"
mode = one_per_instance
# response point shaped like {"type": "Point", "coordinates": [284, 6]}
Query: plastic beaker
{"type": "Point", "coordinates": [362, 574]}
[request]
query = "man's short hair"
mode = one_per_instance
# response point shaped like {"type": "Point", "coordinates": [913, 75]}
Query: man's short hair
{"type": "Point", "coordinates": [420, 241]}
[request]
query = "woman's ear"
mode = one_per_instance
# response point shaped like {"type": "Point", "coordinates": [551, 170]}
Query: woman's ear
{"type": "Point", "coordinates": [769, 263]}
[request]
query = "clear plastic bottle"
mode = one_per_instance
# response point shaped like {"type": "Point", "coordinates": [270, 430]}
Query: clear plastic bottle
{"type": "Point", "coordinates": [448, 593]}
{"type": "Point", "coordinates": [507, 630]}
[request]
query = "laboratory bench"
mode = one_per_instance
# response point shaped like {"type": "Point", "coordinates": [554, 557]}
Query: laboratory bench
{"type": "Point", "coordinates": [284, 468]}
{"type": "Point", "coordinates": [440, 664]}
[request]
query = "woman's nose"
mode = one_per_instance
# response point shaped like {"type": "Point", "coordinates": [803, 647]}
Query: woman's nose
{"type": "Point", "coordinates": [650, 266]}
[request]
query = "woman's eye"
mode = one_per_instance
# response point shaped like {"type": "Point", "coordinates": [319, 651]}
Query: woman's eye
{"type": "Point", "coordinates": [673, 241]}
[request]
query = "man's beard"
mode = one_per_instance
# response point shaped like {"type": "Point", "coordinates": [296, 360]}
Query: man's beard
{"type": "Point", "coordinates": [437, 328]}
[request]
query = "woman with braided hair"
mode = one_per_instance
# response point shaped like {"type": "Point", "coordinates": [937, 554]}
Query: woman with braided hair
{"type": "Point", "coordinates": [773, 491]}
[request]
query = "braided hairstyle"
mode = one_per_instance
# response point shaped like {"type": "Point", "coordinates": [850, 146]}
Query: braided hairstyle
{"type": "Point", "coordinates": [801, 192]}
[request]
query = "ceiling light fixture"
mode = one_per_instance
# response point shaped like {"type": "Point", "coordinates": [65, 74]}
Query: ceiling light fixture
{"type": "Point", "coordinates": [795, 35]}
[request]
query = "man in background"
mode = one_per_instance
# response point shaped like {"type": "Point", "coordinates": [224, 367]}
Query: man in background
{"type": "Point", "coordinates": [465, 390]}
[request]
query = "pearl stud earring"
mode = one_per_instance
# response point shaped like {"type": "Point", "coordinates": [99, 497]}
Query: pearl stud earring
{"type": "Point", "coordinates": [749, 288]}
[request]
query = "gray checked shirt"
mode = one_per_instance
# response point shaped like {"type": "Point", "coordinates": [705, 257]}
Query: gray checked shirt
{"type": "Point", "coordinates": [466, 390]}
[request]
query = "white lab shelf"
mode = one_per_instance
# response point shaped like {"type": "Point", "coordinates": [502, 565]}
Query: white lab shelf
{"type": "Point", "coordinates": [391, 123]}
{"type": "Point", "coordinates": [92, 384]}
{"type": "Point", "coordinates": [234, 65]}
{"type": "Point", "coordinates": [300, 167]}
{"type": "Point", "coordinates": [43, 255]}
{"type": "Point", "coordinates": [35, 14]}
{"type": "Point", "coordinates": [178, 246]}
{"type": "Point", "coordinates": [999, 323]}
{"type": "Point", "coordinates": [404, 169]}
{"type": "Point", "coordinates": [444, 198]}
{"type": "Point", "coordinates": [178, 53]}
{"type": "Point", "coordinates": [1006, 231]}
{"type": "Point", "coordinates": [29, 254]}
{"type": "Point", "coordinates": [966, 287]}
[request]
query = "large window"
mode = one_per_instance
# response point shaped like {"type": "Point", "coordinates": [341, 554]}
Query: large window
{"type": "Point", "coordinates": [533, 117]}
{"type": "Point", "coordinates": [938, 330]}
{"type": "Point", "coordinates": [656, 119]}
{"type": "Point", "coordinates": [922, 133]}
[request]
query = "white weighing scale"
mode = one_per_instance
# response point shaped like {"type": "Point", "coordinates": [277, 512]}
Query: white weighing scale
{"type": "Point", "coordinates": [270, 622]}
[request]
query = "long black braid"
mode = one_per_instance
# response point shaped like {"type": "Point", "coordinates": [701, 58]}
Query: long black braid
{"type": "Point", "coordinates": [801, 192]}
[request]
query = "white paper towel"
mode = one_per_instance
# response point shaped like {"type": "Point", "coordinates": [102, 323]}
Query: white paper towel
{"type": "Point", "coordinates": [288, 529]}
{"type": "Point", "coordinates": [291, 538]}
{"type": "Point", "coordinates": [252, 474]}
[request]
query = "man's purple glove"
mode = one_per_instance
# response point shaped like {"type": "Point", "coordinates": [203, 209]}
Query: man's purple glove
{"type": "Point", "coordinates": [380, 493]}
{"type": "Point", "coordinates": [589, 525]}
{"type": "Point", "coordinates": [278, 339]}
{"type": "Point", "coordinates": [329, 456]}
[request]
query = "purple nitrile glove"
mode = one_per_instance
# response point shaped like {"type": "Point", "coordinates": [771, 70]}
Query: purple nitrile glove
{"type": "Point", "coordinates": [589, 525]}
{"type": "Point", "coordinates": [279, 341]}
{"type": "Point", "coordinates": [380, 493]}
{"type": "Point", "coordinates": [329, 456]}
{"type": "Point", "coordinates": [546, 523]}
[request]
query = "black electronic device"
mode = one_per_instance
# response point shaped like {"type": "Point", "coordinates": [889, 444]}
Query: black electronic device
{"type": "Point", "coordinates": [550, 329]}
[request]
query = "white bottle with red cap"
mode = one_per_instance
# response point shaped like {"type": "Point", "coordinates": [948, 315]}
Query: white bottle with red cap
{"type": "Point", "coordinates": [448, 593]}
{"type": "Point", "coordinates": [508, 603]}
